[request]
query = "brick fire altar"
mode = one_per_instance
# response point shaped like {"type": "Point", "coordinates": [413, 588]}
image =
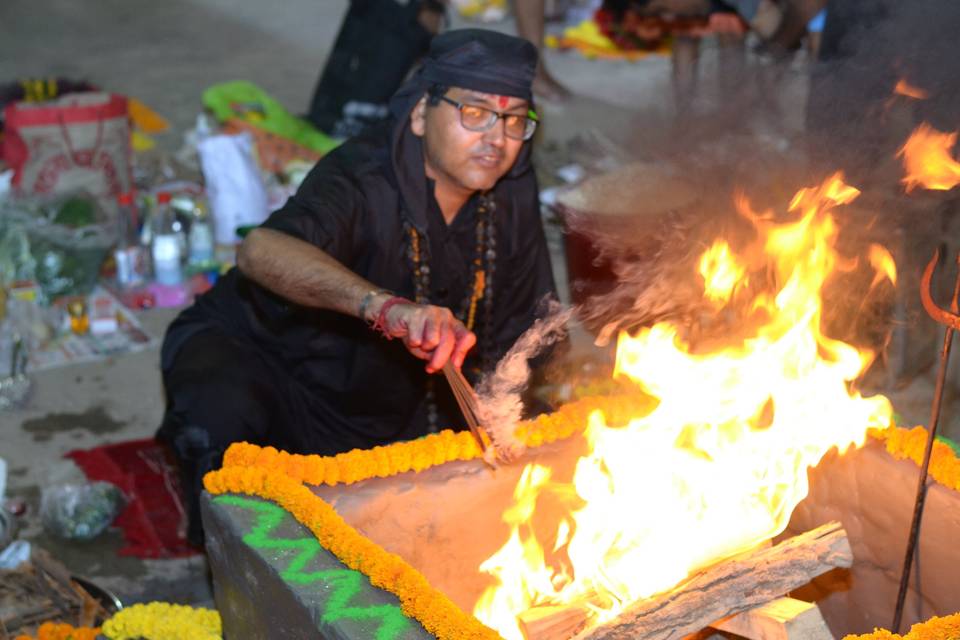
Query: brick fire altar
{"type": "Point", "coordinates": [273, 579]}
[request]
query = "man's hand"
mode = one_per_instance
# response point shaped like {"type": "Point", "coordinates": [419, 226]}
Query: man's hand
{"type": "Point", "coordinates": [304, 274]}
{"type": "Point", "coordinates": [430, 333]}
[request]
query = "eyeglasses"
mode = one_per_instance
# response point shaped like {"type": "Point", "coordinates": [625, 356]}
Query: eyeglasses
{"type": "Point", "coordinates": [476, 118]}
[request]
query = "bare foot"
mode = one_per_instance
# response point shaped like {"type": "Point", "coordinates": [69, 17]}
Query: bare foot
{"type": "Point", "coordinates": [547, 88]}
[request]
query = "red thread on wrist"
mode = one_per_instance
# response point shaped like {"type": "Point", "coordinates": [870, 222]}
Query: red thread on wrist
{"type": "Point", "coordinates": [380, 324]}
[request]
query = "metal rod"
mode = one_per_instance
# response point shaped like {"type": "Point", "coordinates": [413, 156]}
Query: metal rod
{"type": "Point", "coordinates": [925, 467]}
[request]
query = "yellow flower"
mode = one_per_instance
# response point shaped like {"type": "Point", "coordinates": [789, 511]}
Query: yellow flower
{"type": "Point", "coordinates": [910, 444]}
{"type": "Point", "coordinates": [163, 621]}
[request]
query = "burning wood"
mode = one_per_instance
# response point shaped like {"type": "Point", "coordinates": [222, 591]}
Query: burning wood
{"type": "Point", "coordinates": [780, 619]}
{"type": "Point", "coordinates": [546, 623]}
{"type": "Point", "coordinates": [723, 590]}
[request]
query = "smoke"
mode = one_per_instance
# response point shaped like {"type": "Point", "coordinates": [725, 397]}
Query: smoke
{"type": "Point", "coordinates": [652, 269]}
{"type": "Point", "coordinates": [868, 46]}
{"type": "Point", "coordinates": [783, 128]}
{"type": "Point", "coordinates": [499, 393]}
{"type": "Point", "coordinates": [789, 126]}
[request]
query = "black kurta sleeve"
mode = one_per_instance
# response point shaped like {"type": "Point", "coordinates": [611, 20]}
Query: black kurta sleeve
{"type": "Point", "coordinates": [324, 212]}
{"type": "Point", "coordinates": [525, 277]}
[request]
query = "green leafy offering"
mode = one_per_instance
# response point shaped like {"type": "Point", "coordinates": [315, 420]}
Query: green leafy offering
{"type": "Point", "coordinates": [76, 212]}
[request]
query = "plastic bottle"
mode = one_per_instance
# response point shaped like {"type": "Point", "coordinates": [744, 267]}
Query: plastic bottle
{"type": "Point", "coordinates": [200, 238]}
{"type": "Point", "coordinates": [129, 254]}
{"type": "Point", "coordinates": [166, 243]}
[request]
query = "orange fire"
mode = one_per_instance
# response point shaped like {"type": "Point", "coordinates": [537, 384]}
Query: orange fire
{"type": "Point", "coordinates": [927, 159]}
{"type": "Point", "coordinates": [720, 271]}
{"type": "Point", "coordinates": [904, 88]}
{"type": "Point", "coordinates": [719, 464]}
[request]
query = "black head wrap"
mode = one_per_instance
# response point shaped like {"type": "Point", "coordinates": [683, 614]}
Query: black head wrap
{"type": "Point", "coordinates": [482, 60]}
{"type": "Point", "coordinates": [475, 59]}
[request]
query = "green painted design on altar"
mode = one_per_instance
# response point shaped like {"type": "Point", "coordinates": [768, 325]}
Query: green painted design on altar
{"type": "Point", "coordinates": [345, 584]}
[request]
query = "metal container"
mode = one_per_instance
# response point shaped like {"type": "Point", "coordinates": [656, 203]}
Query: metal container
{"type": "Point", "coordinates": [110, 602]}
{"type": "Point", "coordinates": [617, 216]}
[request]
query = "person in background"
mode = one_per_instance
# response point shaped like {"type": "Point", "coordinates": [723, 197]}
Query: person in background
{"type": "Point", "coordinates": [530, 15]}
{"type": "Point", "coordinates": [379, 42]}
{"type": "Point", "coordinates": [415, 247]}
{"type": "Point", "coordinates": [780, 25]}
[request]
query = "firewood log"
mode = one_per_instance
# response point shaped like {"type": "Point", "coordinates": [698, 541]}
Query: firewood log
{"type": "Point", "coordinates": [780, 619]}
{"type": "Point", "coordinates": [724, 589]}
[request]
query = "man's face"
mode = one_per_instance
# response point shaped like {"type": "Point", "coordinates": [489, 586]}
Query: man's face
{"type": "Point", "coordinates": [460, 158]}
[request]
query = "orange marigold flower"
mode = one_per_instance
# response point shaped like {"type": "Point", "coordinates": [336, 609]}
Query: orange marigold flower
{"type": "Point", "coordinates": [313, 474]}
{"type": "Point", "coordinates": [936, 628]}
{"type": "Point", "coordinates": [401, 457]}
{"type": "Point", "coordinates": [240, 454]}
{"type": "Point", "coordinates": [331, 471]}
{"type": "Point", "coordinates": [64, 631]}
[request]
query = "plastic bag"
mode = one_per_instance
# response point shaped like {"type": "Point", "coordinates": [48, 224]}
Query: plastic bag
{"type": "Point", "coordinates": [234, 185]}
{"type": "Point", "coordinates": [80, 141]}
{"type": "Point", "coordinates": [14, 555]}
{"type": "Point", "coordinates": [80, 511]}
{"type": "Point", "coordinates": [59, 242]}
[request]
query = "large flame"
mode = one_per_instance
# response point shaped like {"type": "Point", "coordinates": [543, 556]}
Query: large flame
{"type": "Point", "coordinates": [927, 159]}
{"type": "Point", "coordinates": [719, 465]}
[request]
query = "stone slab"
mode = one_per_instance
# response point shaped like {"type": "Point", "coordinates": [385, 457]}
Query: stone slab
{"type": "Point", "coordinates": [273, 580]}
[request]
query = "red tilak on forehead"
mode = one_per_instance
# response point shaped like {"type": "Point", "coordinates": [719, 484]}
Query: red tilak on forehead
{"type": "Point", "coordinates": [502, 101]}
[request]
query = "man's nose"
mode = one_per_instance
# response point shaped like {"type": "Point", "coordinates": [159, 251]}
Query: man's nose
{"type": "Point", "coordinates": [496, 135]}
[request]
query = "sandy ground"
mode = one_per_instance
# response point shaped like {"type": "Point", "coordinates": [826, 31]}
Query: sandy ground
{"type": "Point", "coordinates": [166, 54]}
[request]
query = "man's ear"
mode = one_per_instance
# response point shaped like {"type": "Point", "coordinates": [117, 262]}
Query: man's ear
{"type": "Point", "coordinates": [418, 117]}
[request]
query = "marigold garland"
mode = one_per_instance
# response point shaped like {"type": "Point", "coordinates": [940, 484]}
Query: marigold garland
{"type": "Point", "coordinates": [910, 444]}
{"type": "Point", "coordinates": [62, 631]}
{"type": "Point", "coordinates": [435, 611]}
{"type": "Point", "coordinates": [936, 628]}
{"type": "Point", "coordinates": [163, 621]}
{"type": "Point", "coordinates": [429, 451]}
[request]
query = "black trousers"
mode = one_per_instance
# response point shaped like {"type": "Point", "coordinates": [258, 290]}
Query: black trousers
{"type": "Point", "coordinates": [220, 391]}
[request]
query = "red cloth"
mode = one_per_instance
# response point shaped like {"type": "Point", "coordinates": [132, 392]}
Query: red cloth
{"type": "Point", "coordinates": [154, 523]}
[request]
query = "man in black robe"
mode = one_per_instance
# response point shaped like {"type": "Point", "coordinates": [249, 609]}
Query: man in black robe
{"type": "Point", "coordinates": [421, 243]}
